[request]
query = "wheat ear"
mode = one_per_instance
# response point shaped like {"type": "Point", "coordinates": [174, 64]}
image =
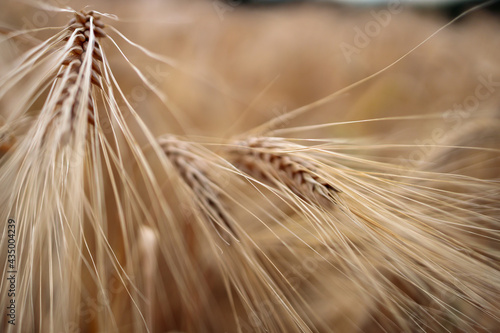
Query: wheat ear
{"type": "Point", "coordinates": [45, 171]}
{"type": "Point", "coordinates": [193, 171]}
{"type": "Point", "coordinates": [287, 164]}
{"type": "Point", "coordinates": [81, 68]}
{"type": "Point", "coordinates": [82, 25]}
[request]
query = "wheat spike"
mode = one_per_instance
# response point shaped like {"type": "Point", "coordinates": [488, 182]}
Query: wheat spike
{"type": "Point", "coordinates": [193, 170]}
{"type": "Point", "coordinates": [82, 62]}
{"type": "Point", "coordinates": [283, 163]}
{"type": "Point", "coordinates": [46, 169]}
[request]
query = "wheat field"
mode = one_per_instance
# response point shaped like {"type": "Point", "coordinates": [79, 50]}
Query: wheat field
{"type": "Point", "coordinates": [211, 166]}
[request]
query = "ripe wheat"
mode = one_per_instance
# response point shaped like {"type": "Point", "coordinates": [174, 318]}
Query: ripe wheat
{"type": "Point", "coordinates": [124, 227]}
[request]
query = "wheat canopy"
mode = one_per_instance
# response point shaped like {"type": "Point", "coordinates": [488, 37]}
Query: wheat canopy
{"type": "Point", "coordinates": [140, 217]}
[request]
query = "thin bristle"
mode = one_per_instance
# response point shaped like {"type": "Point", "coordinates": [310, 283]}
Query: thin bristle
{"type": "Point", "coordinates": [7, 140]}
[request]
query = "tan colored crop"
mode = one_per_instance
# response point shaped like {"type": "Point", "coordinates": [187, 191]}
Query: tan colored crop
{"type": "Point", "coordinates": [115, 226]}
{"type": "Point", "coordinates": [279, 163]}
{"type": "Point", "coordinates": [193, 171]}
{"type": "Point", "coordinates": [7, 140]}
{"type": "Point", "coordinates": [81, 27]}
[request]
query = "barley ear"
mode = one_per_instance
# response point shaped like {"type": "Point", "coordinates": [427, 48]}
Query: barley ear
{"type": "Point", "coordinates": [80, 70]}
{"type": "Point", "coordinates": [193, 170]}
{"type": "Point", "coordinates": [286, 166]}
